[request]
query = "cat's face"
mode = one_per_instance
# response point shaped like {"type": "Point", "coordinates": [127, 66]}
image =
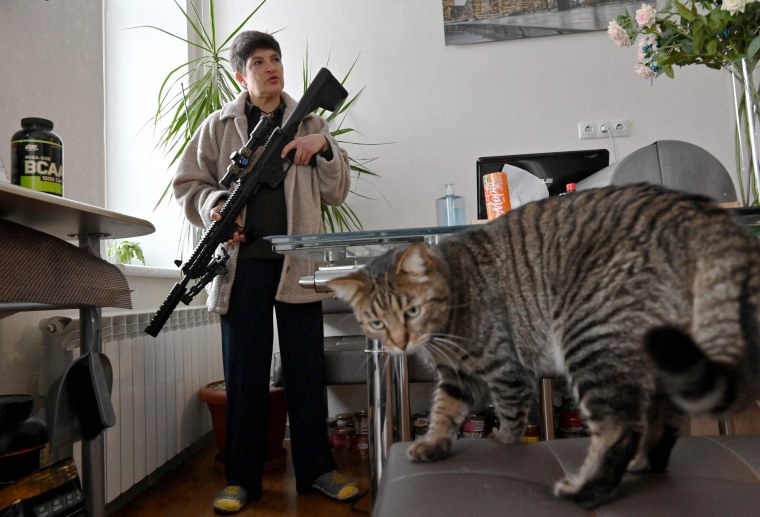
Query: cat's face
{"type": "Point", "coordinates": [401, 298]}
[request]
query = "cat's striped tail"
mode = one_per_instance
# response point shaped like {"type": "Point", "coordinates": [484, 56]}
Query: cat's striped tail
{"type": "Point", "coordinates": [697, 383]}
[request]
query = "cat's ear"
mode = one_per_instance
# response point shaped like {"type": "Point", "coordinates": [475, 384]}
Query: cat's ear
{"type": "Point", "coordinates": [345, 287]}
{"type": "Point", "coordinates": [414, 261]}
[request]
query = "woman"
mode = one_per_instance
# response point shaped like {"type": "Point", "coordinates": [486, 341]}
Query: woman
{"type": "Point", "coordinates": [260, 280]}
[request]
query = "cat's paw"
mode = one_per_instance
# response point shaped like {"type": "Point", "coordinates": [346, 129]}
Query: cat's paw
{"type": "Point", "coordinates": [587, 494]}
{"type": "Point", "coordinates": [504, 436]}
{"type": "Point", "coordinates": [653, 464]}
{"type": "Point", "coordinates": [639, 465]}
{"type": "Point", "coordinates": [566, 488]}
{"type": "Point", "coordinates": [428, 449]}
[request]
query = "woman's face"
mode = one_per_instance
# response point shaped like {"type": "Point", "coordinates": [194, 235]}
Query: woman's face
{"type": "Point", "coordinates": [263, 75]}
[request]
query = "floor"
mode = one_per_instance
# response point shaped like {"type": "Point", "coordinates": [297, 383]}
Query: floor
{"type": "Point", "coordinates": [189, 489]}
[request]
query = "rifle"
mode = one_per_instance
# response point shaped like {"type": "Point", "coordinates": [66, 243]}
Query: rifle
{"type": "Point", "coordinates": [250, 167]}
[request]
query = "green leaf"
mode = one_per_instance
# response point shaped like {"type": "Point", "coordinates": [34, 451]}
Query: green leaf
{"type": "Point", "coordinates": [712, 46]}
{"type": "Point", "coordinates": [684, 12]}
{"type": "Point", "coordinates": [197, 24]}
{"type": "Point", "coordinates": [167, 33]}
{"type": "Point", "coordinates": [753, 47]}
{"type": "Point", "coordinates": [242, 24]}
{"type": "Point", "coordinates": [123, 252]}
{"type": "Point", "coordinates": [341, 217]}
{"type": "Point", "coordinates": [697, 42]}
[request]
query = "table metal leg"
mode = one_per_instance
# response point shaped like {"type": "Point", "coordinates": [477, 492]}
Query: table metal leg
{"type": "Point", "coordinates": [93, 479]}
{"type": "Point", "coordinates": [380, 403]}
{"type": "Point", "coordinates": [93, 451]}
{"type": "Point", "coordinates": [726, 426]}
{"type": "Point", "coordinates": [403, 413]}
{"type": "Point", "coordinates": [547, 410]}
{"type": "Point", "coordinates": [388, 393]}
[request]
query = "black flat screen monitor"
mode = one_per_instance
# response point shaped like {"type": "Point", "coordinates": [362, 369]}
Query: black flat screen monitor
{"type": "Point", "coordinates": [555, 169]}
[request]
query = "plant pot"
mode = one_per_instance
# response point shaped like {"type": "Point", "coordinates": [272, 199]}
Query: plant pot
{"type": "Point", "coordinates": [215, 396]}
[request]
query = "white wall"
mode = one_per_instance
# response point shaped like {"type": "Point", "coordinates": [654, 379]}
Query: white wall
{"type": "Point", "coordinates": [444, 106]}
{"type": "Point", "coordinates": [51, 66]}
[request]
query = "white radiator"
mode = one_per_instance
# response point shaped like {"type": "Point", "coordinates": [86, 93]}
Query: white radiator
{"type": "Point", "coordinates": [155, 389]}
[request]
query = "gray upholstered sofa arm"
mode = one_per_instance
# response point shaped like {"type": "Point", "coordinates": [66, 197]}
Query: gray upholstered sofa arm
{"type": "Point", "coordinates": [707, 476]}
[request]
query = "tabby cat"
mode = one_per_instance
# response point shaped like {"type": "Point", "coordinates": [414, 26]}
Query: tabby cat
{"type": "Point", "coordinates": [645, 299]}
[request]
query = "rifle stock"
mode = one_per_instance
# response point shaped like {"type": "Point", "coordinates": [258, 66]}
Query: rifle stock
{"type": "Point", "coordinates": [325, 92]}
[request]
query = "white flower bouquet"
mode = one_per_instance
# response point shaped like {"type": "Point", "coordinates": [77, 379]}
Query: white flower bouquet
{"type": "Point", "coordinates": [716, 34]}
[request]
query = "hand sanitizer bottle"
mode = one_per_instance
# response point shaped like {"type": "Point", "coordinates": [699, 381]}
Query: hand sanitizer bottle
{"type": "Point", "coordinates": [450, 208]}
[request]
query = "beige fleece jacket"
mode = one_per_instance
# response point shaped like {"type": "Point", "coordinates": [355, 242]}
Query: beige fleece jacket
{"type": "Point", "coordinates": [204, 163]}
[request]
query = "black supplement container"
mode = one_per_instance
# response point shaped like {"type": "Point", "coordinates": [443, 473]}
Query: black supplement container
{"type": "Point", "coordinates": [22, 438]}
{"type": "Point", "coordinates": [37, 157]}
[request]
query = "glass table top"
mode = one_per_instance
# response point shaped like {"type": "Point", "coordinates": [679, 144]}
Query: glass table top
{"type": "Point", "coordinates": [350, 248]}
{"type": "Point", "coordinates": [356, 247]}
{"type": "Point", "coordinates": [747, 216]}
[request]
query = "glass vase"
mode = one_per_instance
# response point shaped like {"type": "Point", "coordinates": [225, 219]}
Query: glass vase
{"type": "Point", "coordinates": [746, 134]}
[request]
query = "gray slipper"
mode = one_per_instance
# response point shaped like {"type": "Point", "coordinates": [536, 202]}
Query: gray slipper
{"type": "Point", "coordinates": [336, 486]}
{"type": "Point", "coordinates": [231, 499]}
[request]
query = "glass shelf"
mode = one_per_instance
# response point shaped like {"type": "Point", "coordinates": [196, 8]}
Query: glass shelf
{"type": "Point", "coordinates": [350, 248]}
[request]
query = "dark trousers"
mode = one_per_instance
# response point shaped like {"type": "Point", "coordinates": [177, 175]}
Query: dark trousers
{"type": "Point", "coordinates": [247, 337]}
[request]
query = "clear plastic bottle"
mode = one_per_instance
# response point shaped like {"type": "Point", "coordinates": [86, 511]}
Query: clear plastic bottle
{"type": "Point", "coordinates": [450, 208]}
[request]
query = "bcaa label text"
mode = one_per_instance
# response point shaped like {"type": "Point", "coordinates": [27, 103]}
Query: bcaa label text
{"type": "Point", "coordinates": [42, 168]}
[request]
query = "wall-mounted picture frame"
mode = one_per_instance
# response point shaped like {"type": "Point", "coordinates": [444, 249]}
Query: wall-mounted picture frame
{"type": "Point", "coordinates": [482, 21]}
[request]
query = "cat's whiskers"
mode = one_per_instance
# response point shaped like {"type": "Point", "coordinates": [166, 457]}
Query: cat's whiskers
{"type": "Point", "coordinates": [416, 345]}
{"type": "Point", "coordinates": [447, 350]}
{"type": "Point", "coordinates": [440, 357]}
{"type": "Point", "coordinates": [452, 337]}
{"type": "Point", "coordinates": [450, 341]}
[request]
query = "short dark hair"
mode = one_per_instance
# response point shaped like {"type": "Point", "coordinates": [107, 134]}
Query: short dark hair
{"type": "Point", "coordinates": [246, 43]}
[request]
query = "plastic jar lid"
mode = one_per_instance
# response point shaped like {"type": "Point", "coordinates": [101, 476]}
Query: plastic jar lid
{"type": "Point", "coordinates": [36, 121]}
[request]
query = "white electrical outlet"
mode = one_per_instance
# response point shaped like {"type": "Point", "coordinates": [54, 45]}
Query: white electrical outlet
{"type": "Point", "coordinates": [602, 128]}
{"type": "Point", "coordinates": [620, 127]}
